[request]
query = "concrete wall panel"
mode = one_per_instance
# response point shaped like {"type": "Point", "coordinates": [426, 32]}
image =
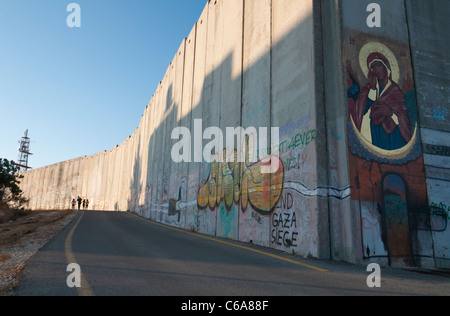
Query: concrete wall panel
{"type": "Point", "coordinates": [294, 224]}
{"type": "Point", "coordinates": [427, 21]}
{"type": "Point", "coordinates": [185, 120]}
{"type": "Point", "coordinates": [256, 99]}
{"type": "Point", "coordinates": [197, 219]}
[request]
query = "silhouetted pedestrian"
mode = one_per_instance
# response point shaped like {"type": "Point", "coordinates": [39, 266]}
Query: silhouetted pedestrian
{"type": "Point", "coordinates": [79, 202]}
{"type": "Point", "coordinates": [73, 204]}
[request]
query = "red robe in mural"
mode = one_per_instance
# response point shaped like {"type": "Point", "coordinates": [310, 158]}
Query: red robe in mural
{"type": "Point", "coordinates": [386, 133]}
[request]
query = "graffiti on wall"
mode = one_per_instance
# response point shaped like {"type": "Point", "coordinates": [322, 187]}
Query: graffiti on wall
{"type": "Point", "coordinates": [439, 217]}
{"type": "Point", "coordinates": [284, 223]}
{"type": "Point", "coordinates": [440, 113]}
{"type": "Point", "coordinates": [386, 163]}
{"type": "Point", "coordinates": [234, 183]}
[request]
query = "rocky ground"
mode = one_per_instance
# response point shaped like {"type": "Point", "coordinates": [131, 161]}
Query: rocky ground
{"type": "Point", "coordinates": [22, 234]}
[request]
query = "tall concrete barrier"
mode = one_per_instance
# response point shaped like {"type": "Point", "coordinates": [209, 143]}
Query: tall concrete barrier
{"type": "Point", "coordinates": [362, 112]}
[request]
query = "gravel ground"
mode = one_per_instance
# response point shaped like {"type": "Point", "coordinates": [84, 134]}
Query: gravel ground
{"type": "Point", "coordinates": [21, 236]}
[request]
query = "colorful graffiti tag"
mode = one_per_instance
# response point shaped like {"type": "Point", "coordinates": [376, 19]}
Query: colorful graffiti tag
{"type": "Point", "coordinates": [233, 183]}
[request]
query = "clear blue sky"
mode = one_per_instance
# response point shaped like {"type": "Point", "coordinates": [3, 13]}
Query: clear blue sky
{"type": "Point", "coordinates": [83, 90]}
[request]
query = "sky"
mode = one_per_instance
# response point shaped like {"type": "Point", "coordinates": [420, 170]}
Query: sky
{"type": "Point", "coordinates": [83, 90]}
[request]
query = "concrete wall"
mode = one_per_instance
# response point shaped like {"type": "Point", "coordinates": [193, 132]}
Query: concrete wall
{"type": "Point", "coordinates": [285, 63]}
{"type": "Point", "coordinates": [428, 27]}
{"type": "Point", "coordinates": [396, 184]}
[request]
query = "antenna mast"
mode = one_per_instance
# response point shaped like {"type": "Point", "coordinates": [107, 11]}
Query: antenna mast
{"type": "Point", "coordinates": [24, 152]}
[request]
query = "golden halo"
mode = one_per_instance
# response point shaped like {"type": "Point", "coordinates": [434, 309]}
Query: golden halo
{"type": "Point", "coordinates": [375, 47]}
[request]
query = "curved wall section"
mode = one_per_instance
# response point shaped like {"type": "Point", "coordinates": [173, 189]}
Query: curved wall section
{"type": "Point", "coordinates": [237, 68]}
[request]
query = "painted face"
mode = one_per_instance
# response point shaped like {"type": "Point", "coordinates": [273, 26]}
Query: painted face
{"type": "Point", "coordinates": [379, 70]}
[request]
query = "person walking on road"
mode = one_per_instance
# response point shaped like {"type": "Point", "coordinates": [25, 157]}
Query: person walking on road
{"type": "Point", "coordinates": [73, 204]}
{"type": "Point", "coordinates": [79, 202]}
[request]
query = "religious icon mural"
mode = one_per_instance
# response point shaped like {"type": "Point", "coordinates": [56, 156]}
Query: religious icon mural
{"type": "Point", "coordinates": [386, 163]}
{"type": "Point", "coordinates": [382, 115]}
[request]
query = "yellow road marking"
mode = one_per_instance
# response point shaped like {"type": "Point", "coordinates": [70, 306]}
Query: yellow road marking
{"type": "Point", "coordinates": [85, 289]}
{"type": "Point", "coordinates": [237, 246]}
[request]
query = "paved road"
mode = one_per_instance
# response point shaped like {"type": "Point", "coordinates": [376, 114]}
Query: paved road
{"type": "Point", "coordinates": [122, 254]}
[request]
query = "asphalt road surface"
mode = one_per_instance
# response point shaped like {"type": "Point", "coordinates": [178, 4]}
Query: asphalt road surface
{"type": "Point", "coordinates": [120, 254]}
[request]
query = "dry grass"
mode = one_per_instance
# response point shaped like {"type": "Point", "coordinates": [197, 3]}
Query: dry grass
{"type": "Point", "coordinates": [22, 234]}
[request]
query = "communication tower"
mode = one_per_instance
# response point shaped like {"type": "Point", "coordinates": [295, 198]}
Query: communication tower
{"type": "Point", "coordinates": [24, 152]}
